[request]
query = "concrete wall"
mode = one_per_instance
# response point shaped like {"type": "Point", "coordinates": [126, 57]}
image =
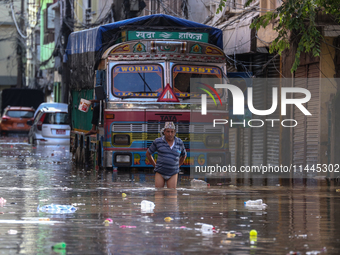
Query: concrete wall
{"type": "Point", "coordinates": [8, 45]}
{"type": "Point", "coordinates": [8, 56]}
{"type": "Point", "coordinates": [200, 10]}
{"type": "Point", "coordinates": [267, 35]}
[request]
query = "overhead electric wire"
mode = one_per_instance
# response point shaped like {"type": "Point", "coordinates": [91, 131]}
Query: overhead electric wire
{"type": "Point", "coordinates": [16, 25]}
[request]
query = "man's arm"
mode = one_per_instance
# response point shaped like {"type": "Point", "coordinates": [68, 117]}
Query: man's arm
{"type": "Point", "coordinates": [94, 101]}
{"type": "Point", "coordinates": [150, 158]}
{"type": "Point", "coordinates": [181, 160]}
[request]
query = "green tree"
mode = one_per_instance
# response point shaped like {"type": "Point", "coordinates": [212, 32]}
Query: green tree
{"type": "Point", "coordinates": [296, 20]}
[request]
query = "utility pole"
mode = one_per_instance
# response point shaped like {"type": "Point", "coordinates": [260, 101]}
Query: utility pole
{"type": "Point", "coordinates": [20, 48]}
{"type": "Point", "coordinates": [67, 29]}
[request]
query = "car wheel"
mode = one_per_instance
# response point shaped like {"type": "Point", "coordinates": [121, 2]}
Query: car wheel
{"type": "Point", "coordinates": [32, 140]}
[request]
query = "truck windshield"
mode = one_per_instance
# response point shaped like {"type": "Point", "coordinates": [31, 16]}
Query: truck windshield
{"type": "Point", "coordinates": [183, 73]}
{"type": "Point", "coordinates": [137, 80]}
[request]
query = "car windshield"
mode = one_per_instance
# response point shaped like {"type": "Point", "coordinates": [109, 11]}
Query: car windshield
{"type": "Point", "coordinates": [56, 118]}
{"type": "Point", "coordinates": [20, 114]}
{"type": "Point", "coordinates": [137, 80]}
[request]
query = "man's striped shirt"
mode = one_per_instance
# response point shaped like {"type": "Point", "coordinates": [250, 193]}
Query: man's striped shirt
{"type": "Point", "coordinates": [168, 159]}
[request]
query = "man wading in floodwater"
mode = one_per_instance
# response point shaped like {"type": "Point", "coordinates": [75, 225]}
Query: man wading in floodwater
{"type": "Point", "coordinates": [171, 155]}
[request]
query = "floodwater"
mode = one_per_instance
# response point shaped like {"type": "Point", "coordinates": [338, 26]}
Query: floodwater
{"type": "Point", "coordinates": [299, 217]}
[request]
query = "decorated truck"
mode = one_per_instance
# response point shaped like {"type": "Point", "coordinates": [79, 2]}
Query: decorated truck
{"type": "Point", "coordinates": [139, 70]}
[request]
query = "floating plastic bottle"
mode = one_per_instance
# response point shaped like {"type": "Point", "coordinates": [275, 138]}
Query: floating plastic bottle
{"type": "Point", "coordinates": [147, 206]}
{"type": "Point", "coordinates": [255, 204]}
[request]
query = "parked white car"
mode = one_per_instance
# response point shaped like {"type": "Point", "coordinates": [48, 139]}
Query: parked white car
{"type": "Point", "coordinates": [47, 105]}
{"type": "Point", "coordinates": [51, 125]}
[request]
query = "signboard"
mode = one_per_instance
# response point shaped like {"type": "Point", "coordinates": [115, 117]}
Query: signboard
{"type": "Point", "coordinates": [188, 36]}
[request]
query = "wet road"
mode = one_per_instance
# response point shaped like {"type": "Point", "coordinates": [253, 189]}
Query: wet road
{"type": "Point", "coordinates": [299, 217]}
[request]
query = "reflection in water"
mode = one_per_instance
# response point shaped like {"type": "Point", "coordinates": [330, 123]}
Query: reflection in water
{"type": "Point", "coordinates": [301, 215]}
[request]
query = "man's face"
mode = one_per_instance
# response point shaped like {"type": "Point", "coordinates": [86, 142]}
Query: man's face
{"type": "Point", "coordinates": [169, 134]}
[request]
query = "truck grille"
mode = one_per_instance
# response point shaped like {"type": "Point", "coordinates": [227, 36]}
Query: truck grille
{"type": "Point", "coordinates": [151, 131]}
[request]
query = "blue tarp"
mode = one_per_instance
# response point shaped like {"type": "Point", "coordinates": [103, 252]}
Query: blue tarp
{"type": "Point", "coordinates": [85, 48]}
{"type": "Point", "coordinates": [92, 40]}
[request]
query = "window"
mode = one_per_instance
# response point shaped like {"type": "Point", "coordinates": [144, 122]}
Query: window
{"type": "Point", "coordinates": [137, 80]}
{"type": "Point", "coordinates": [49, 15]}
{"type": "Point", "coordinates": [20, 114]}
{"type": "Point", "coordinates": [56, 118]}
{"type": "Point", "coordinates": [183, 73]}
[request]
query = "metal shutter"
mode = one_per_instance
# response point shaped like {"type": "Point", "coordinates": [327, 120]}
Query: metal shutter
{"type": "Point", "coordinates": [232, 145]}
{"type": "Point", "coordinates": [306, 133]}
{"type": "Point", "coordinates": [273, 133]}
{"type": "Point", "coordinates": [259, 90]}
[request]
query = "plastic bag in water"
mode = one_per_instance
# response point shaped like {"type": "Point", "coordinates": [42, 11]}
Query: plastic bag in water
{"type": "Point", "coordinates": [147, 206]}
{"type": "Point", "coordinates": [57, 209]}
{"type": "Point", "coordinates": [198, 183]}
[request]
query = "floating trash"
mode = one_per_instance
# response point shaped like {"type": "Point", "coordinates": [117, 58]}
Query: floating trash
{"type": "Point", "coordinates": [2, 201]}
{"type": "Point", "coordinates": [168, 219]}
{"type": "Point", "coordinates": [198, 183]}
{"type": "Point", "coordinates": [60, 245]}
{"type": "Point", "coordinates": [124, 226]}
{"type": "Point", "coordinates": [255, 204]}
{"type": "Point", "coordinates": [57, 209]}
{"type": "Point", "coordinates": [147, 206]}
{"type": "Point", "coordinates": [313, 252]}
{"type": "Point", "coordinates": [231, 234]}
{"type": "Point", "coordinates": [253, 232]}
{"type": "Point", "coordinates": [206, 228]}
{"type": "Point", "coordinates": [12, 232]}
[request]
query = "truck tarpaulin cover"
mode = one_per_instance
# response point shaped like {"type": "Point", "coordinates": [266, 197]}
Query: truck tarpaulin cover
{"type": "Point", "coordinates": [21, 97]}
{"type": "Point", "coordinates": [85, 48]}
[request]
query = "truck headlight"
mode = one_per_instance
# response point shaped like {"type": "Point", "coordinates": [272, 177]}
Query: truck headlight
{"type": "Point", "coordinates": [121, 139]}
{"type": "Point", "coordinates": [214, 141]}
{"type": "Point", "coordinates": [215, 159]}
{"type": "Point", "coordinates": [123, 158]}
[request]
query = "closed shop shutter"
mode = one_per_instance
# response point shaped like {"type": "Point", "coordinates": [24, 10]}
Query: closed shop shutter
{"type": "Point", "coordinates": [232, 145]}
{"type": "Point", "coordinates": [313, 121]}
{"type": "Point", "coordinates": [306, 133]}
{"type": "Point", "coordinates": [273, 133]}
{"type": "Point", "coordinates": [258, 156]}
{"type": "Point", "coordinates": [258, 146]}
{"type": "Point", "coordinates": [246, 136]}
